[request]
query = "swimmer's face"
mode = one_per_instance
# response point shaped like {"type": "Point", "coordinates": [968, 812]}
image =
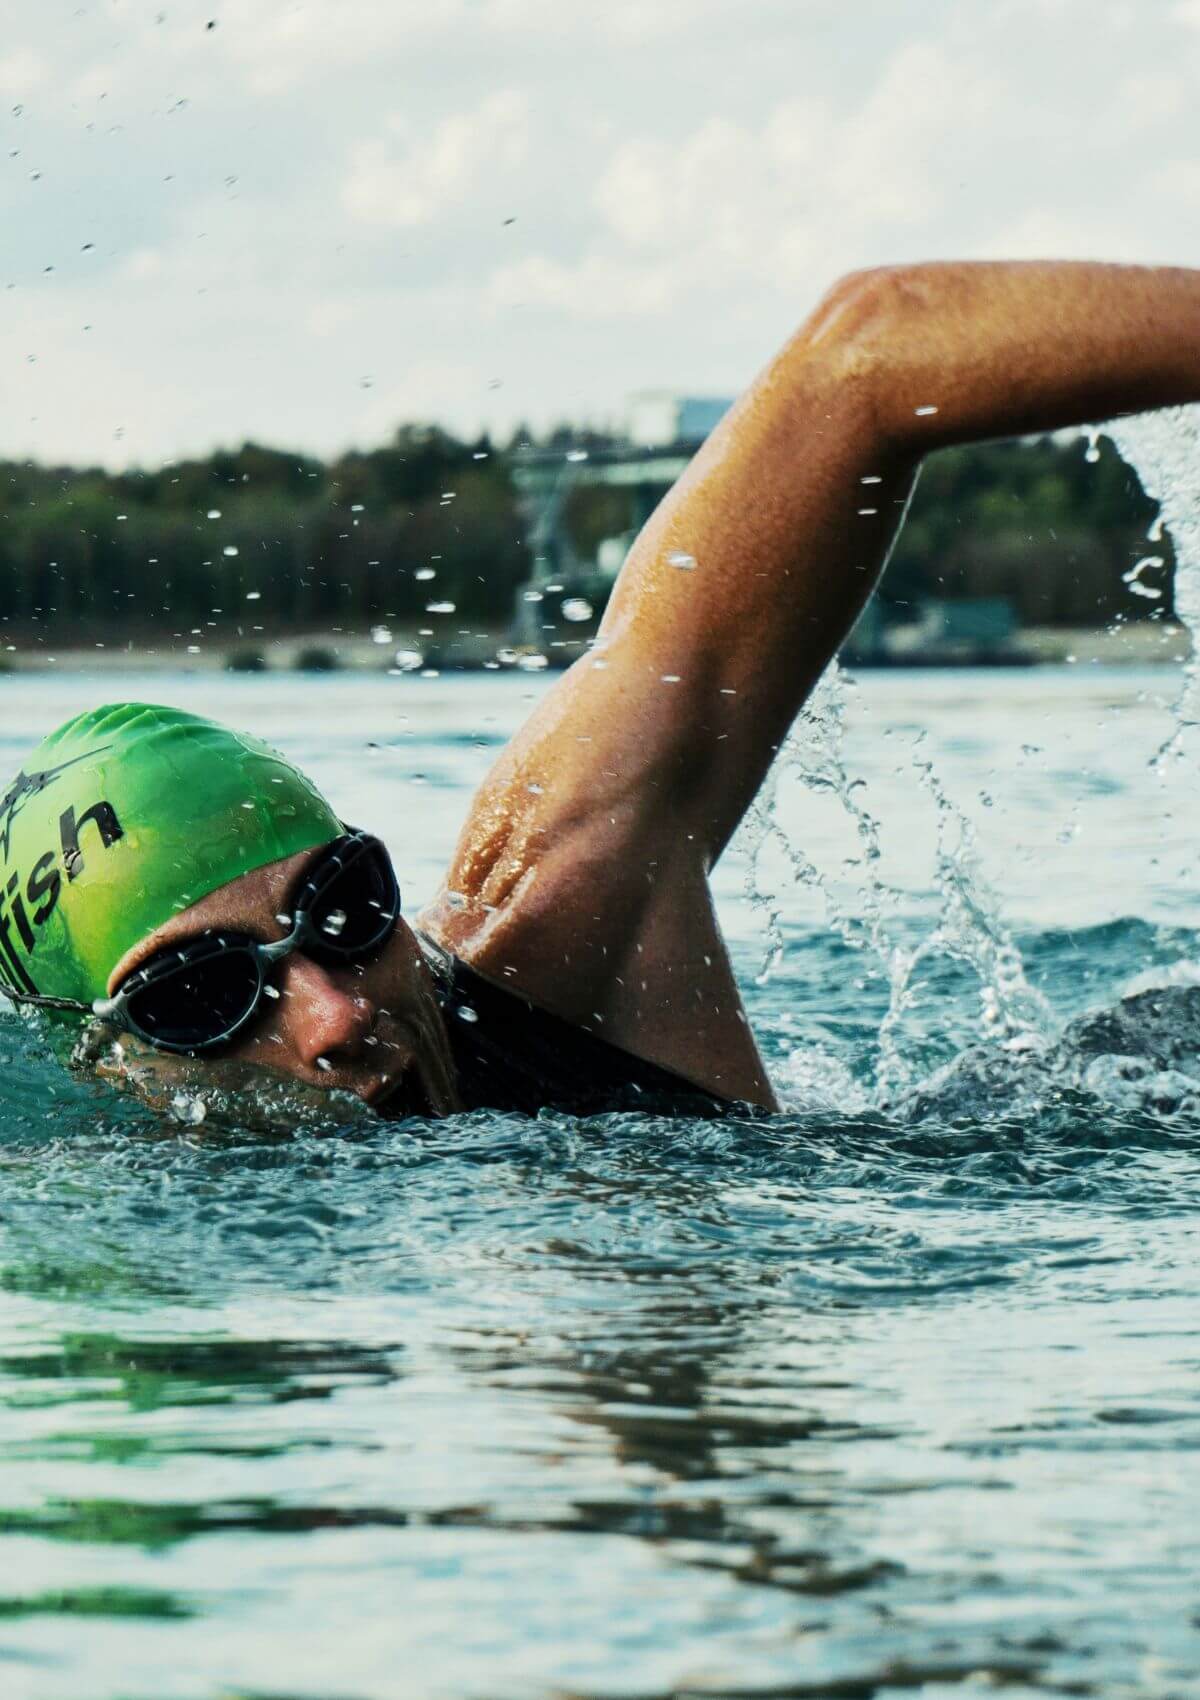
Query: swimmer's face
{"type": "Point", "coordinates": [372, 1029]}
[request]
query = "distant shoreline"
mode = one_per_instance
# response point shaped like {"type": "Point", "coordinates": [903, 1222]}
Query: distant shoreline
{"type": "Point", "coordinates": [1137, 644]}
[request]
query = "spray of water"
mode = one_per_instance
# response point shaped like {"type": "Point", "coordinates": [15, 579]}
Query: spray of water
{"type": "Point", "coordinates": [969, 927]}
{"type": "Point", "coordinates": [1164, 449]}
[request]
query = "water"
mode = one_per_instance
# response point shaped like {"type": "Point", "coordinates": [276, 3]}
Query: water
{"type": "Point", "coordinates": [894, 1393]}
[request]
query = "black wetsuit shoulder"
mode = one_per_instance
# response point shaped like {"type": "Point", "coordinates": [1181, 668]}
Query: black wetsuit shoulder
{"type": "Point", "coordinates": [511, 1055]}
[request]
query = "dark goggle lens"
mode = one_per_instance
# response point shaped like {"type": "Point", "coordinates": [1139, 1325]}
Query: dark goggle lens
{"type": "Point", "coordinates": [355, 910]}
{"type": "Point", "coordinates": [200, 1003]}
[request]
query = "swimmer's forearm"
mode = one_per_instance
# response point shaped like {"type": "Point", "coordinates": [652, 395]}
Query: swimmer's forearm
{"type": "Point", "coordinates": [956, 352]}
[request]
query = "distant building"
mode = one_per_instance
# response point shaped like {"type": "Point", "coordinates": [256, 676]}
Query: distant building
{"type": "Point", "coordinates": [659, 419]}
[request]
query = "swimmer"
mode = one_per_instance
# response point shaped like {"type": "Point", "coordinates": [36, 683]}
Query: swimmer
{"type": "Point", "coordinates": [186, 886]}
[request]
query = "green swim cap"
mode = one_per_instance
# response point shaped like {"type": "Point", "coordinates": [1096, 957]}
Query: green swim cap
{"type": "Point", "coordinates": [125, 816]}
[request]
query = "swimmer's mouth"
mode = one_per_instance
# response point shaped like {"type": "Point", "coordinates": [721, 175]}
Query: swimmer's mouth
{"type": "Point", "coordinates": [403, 1097]}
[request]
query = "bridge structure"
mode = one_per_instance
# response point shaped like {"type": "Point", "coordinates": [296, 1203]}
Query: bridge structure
{"type": "Point", "coordinates": [560, 576]}
{"type": "Point", "coordinates": [664, 433]}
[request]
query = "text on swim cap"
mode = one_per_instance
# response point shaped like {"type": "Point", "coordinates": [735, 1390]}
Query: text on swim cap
{"type": "Point", "coordinates": [30, 910]}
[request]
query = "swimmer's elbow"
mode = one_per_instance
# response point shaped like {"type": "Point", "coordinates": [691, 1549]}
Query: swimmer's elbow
{"type": "Point", "coordinates": [876, 329]}
{"type": "Point", "coordinates": [865, 315]}
{"type": "Point", "coordinates": [850, 306]}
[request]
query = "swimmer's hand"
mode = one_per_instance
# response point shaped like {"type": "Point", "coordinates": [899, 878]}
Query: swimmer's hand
{"type": "Point", "coordinates": [217, 1093]}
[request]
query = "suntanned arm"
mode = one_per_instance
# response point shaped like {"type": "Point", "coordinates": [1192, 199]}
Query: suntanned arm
{"type": "Point", "coordinates": [602, 818]}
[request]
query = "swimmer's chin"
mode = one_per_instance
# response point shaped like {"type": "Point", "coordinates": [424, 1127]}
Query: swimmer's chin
{"type": "Point", "coordinates": [230, 1093]}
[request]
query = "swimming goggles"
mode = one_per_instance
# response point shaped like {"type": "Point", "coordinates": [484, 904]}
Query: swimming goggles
{"type": "Point", "coordinates": [195, 998]}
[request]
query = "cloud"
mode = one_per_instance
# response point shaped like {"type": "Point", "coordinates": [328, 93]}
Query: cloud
{"type": "Point", "coordinates": [20, 73]}
{"type": "Point", "coordinates": [1148, 98]}
{"type": "Point", "coordinates": [595, 288]}
{"type": "Point", "coordinates": [252, 238]}
{"type": "Point", "coordinates": [421, 178]}
{"type": "Point", "coordinates": [280, 45]}
{"type": "Point", "coordinates": [814, 188]}
{"type": "Point", "coordinates": [1177, 182]}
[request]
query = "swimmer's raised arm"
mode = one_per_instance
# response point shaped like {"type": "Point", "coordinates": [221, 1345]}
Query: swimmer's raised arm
{"type": "Point", "coordinates": [612, 803]}
{"type": "Point", "coordinates": [893, 364]}
{"type": "Point", "coordinates": [791, 507]}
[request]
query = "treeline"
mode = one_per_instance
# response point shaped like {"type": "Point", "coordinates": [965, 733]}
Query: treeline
{"type": "Point", "coordinates": [270, 539]}
{"type": "Point", "coordinates": [1052, 525]}
{"type": "Point", "coordinates": [276, 542]}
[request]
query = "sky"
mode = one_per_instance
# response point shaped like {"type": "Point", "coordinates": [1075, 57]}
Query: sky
{"type": "Point", "coordinates": [305, 223]}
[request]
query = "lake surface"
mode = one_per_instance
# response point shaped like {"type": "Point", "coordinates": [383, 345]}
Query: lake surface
{"type": "Point", "coordinates": [894, 1393]}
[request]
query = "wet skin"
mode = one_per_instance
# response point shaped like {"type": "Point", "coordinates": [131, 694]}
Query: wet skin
{"type": "Point", "coordinates": [374, 1030]}
{"type": "Point", "coordinates": [581, 877]}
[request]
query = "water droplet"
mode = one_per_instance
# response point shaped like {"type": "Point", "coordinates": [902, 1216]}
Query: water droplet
{"type": "Point", "coordinates": [424, 573]}
{"type": "Point", "coordinates": [924, 412]}
{"type": "Point", "coordinates": [230, 549]}
{"type": "Point", "coordinates": [671, 678]}
{"type": "Point", "coordinates": [533, 596]}
{"type": "Point", "coordinates": [1133, 578]}
{"type": "Point", "coordinates": [213, 513]}
{"type": "Point", "coordinates": [466, 1013]}
{"type": "Point", "coordinates": [324, 1064]}
{"type": "Point", "coordinates": [535, 788]}
{"type": "Point", "coordinates": [681, 559]}
{"type": "Point", "coordinates": [408, 660]}
{"type": "Point", "coordinates": [576, 608]}
{"type": "Point", "coordinates": [439, 607]}
{"type": "Point", "coordinates": [254, 596]}
{"type": "Point", "coordinates": [380, 634]}
{"type": "Point", "coordinates": [577, 454]}
{"type": "Point", "coordinates": [532, 663]}
{"type": "Point", "coordinates": [334, 922]}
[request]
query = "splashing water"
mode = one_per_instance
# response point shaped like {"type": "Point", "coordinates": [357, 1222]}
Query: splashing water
{"type": "Point", "coordinates": [969, 929]}
{"type": "Point", "coordinates": [808, 1404]}
{"type": "Point", "coordinates": [1164, 448]}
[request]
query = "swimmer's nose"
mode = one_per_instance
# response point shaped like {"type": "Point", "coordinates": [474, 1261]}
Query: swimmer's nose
{"type": "Point", "coordinates": [325, 1020]}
